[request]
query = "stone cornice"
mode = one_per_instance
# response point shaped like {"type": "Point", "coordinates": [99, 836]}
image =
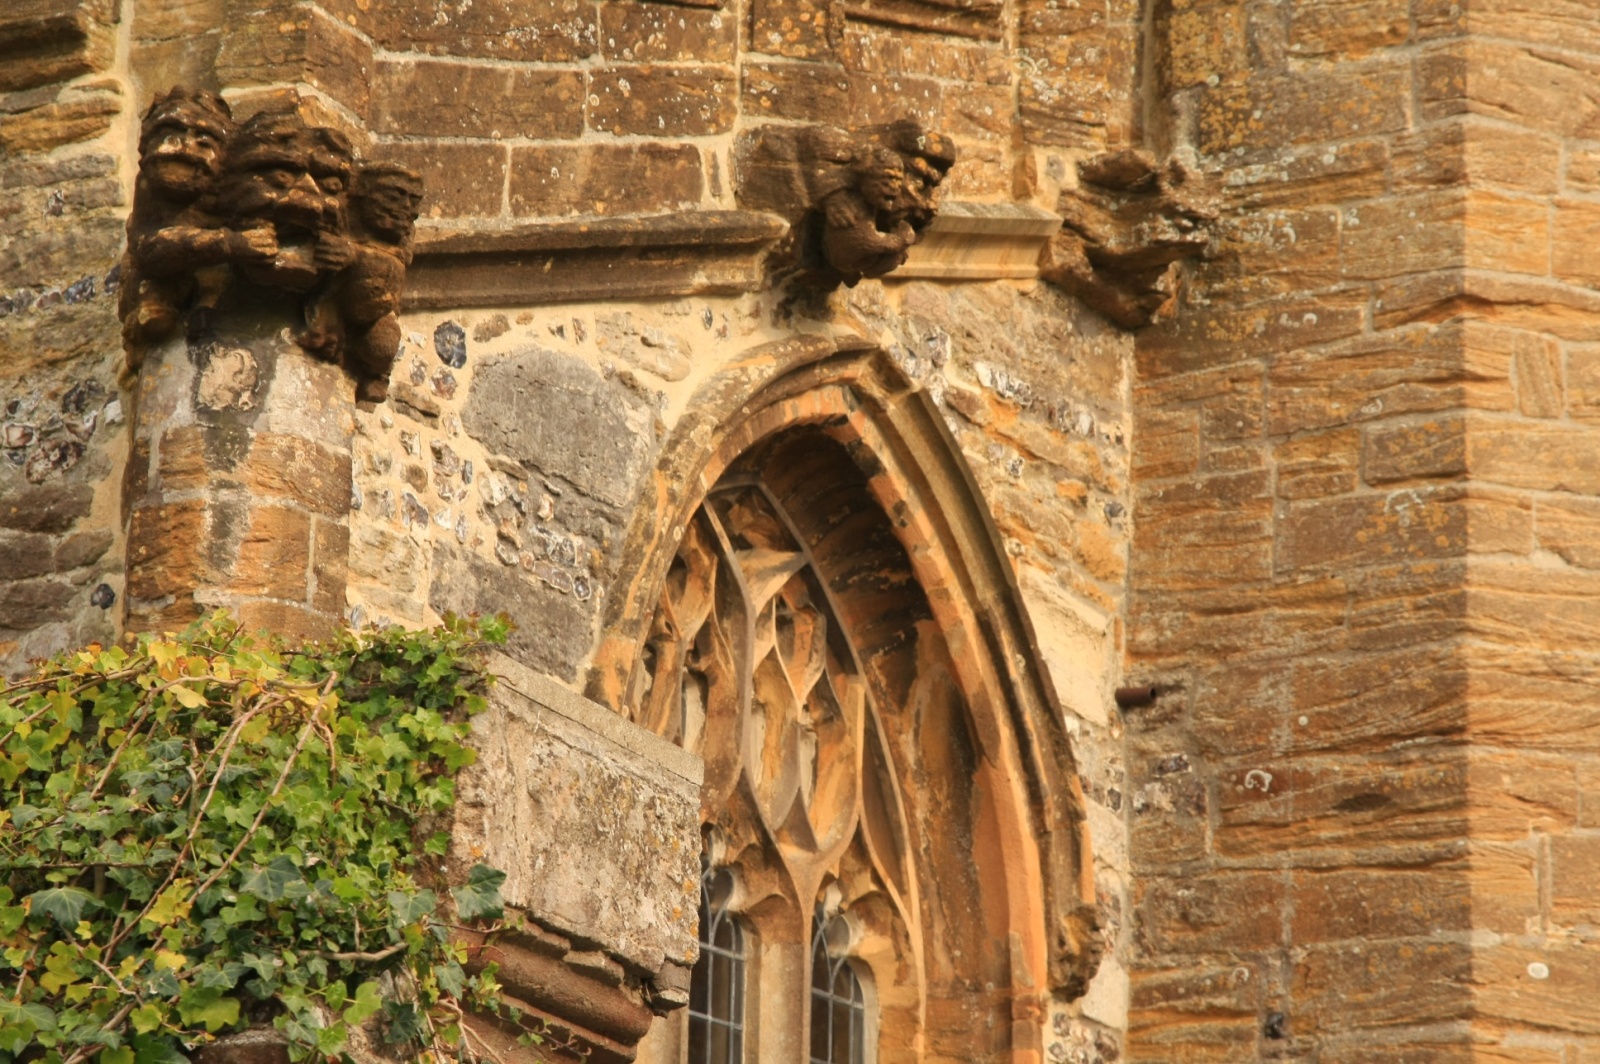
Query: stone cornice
{"type": "Point", "coordinates": [627, 257]}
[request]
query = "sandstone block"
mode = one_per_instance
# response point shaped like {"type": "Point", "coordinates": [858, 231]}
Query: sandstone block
{"type": "Point", "coordinates": [273, 555]}
{"type": "Point", "coordinates": [1219, 913]}
{"type": "Point", "coordinates": [26, 604]}
{"type": "Point", "coordinates": [1383, 984]}
{"type": "Point", "coordinates": [1415, 524]}
{"type": "Point", "coordinates": [461, 180]}
{"type": "Point", "coordinates": [798, 29]}
{"type": "Point", "coordinates": [1360, 904]}
{"type": "Point", "coordinates": [1348, 29]}
{"type": "Point", "coordinates": [285, 619]}
{"type": "Point", "coordinates": [437, 99]}
{"type": "Point", "coordinates": [803, 91]}
{"type": "Point", "coordinates": [1499, 522]}
{"type": "Point", "coordinates": [1426, 450]}
{"type": "Point", "coordinates": [1277, 110]}
{"type": "Point", "coordinates": [1222, 335]}
{"type": "Point", "coordinates": [604, 179]}
{"type": "Point", "coordinates": [1322, 174]}
{"type": "Point", "coordinates": [661, 33]}
{"type": "Point", "coordinates": [330, 557]}
{"type": "Point", "coordinates": [1309, 810]}
{"type": "Point", "coordinates": [1515, 793]}
{"type": "Point", "coordinates": [1205, 42]}
{"type": "Point", "coordinates": [1403, 235]}
{"type": "Point", "coordinates": [1574, 871]}
{"type": "Point", "coordinates": [1317, 465]}
{"type": "Point", "coordinates": [1560, 1001]}
{"type": "Point", "coordinates": [1538, 455]}
{"type": "Point", "coordinates": [1509, 234]}
{"type": "Point", "coordinates": [25, 554]}
{"type": "Point", "coordinates": [549, 31]}
{"type": "Point", "coordinates": [662, 101]}
{"type": "Point", "coordinates": [164, 552]}
{"type": "Point", "coordinates": [1570, 528]}
{"type": "Point", "coordinates": [1505, 886]}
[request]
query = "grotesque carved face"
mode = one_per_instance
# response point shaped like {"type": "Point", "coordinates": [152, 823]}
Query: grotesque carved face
{"type": "Point", "coordinates": [285, 174]}
{"type": "Point", "coordinates": [181, 142]}
{"type": "Point", "coordinates": [883, 181]}
{"type": "Point", "coordinates": [387, 199]}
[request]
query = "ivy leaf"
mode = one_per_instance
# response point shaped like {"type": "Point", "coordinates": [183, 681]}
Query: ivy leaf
{"type": "Point", "coordinates": [35, 1017]}
{"type": "Point", "coordinates": [148, 1050]}
{"type": "Point", "coordinates": [206, 1005]}
{"type": "Point", "coordinates": [145, 1019]}
{"type": "Point", "coordinates": [171, 906]}
{"type": "Point", "coordinates": [120, 1055]}
{"type": "Point", "coordinates": [480, 897]}
{"type": "Point", "coordinates": [64, 904]}
{"type": "Point", "coordinates": [188, 697]}
{"type": "Point", "coordinates": [409, 908]}
{"type": "Point", "coordinates": [364, 1006]}
{"type": "Point", "coordinates": [274, 882]}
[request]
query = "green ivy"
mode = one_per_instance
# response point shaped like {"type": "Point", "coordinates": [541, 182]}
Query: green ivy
{"type": "Point", "coordinates": [215, 830]}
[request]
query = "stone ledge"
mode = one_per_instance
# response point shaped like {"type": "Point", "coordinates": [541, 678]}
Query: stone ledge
{"type": "Point", "coordinates": [628, 257]}
{"type": "Point", "coordinates": [981, 242]}
{"type": "Point", "coordinates": [594, 820]}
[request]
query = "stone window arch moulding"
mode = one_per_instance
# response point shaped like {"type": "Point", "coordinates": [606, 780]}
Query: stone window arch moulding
{"type": "Point", "coordinates": [825, 613]}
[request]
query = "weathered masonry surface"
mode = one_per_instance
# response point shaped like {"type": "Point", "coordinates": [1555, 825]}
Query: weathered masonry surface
{"type": "Point", "coordinates": [1247, 349]}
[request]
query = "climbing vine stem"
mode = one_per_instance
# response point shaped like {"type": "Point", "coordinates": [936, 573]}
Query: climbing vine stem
{"type": "Point", "coordinates": [217, 830]}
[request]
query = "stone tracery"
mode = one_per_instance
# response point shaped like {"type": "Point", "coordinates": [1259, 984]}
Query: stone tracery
{"type": "Point", "coordinates": [748, 665]}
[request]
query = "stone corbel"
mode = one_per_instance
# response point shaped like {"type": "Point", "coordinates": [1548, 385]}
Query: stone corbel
{"type": "Point", "coordinates": [224, 209]}
{"type": "Point", "coordinates": [856, 200]}
{"type": "Point", "coordinates": [1124, 227]}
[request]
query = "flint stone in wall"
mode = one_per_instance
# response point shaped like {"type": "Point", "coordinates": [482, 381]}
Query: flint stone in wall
{"type": "Point", "coordinates": [594, 820]}
{"type": "Point", "coordinates": [556, 415]}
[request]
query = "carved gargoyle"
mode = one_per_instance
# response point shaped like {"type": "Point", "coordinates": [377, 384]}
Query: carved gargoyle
{"type": "Point", "coordinates": [1127, 223]}
{"type": "Point", "coordinates": [856, 200]}
{"type": "Point", "coordinates": [271, 202]}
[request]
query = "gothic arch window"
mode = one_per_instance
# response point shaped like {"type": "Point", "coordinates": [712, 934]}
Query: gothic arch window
{"type": "Point", "coordinates": [749, 665]}
{"type": "Point", "coordinates": [835, 630]}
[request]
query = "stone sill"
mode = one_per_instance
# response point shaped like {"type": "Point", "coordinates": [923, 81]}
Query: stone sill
{"type": "Point", "coordinates": [981, 242]}
{"type": "Point", "coordinates": [628, 257]}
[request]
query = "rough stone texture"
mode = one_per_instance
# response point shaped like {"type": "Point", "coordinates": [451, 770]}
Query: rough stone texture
{"type": "Point", "coordinates": [62, 422]}
{"type": "Point", "coordinates": [1362, 543]}
{"type": "Point", "coordinates": [239, 484]}
{"type": "Point", "coordinates": [596, 820]}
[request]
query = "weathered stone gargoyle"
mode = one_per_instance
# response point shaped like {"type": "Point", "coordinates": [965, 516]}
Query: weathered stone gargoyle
{"type": "Point", "coordinates": [1127, 223]}
{"type": "Point", "coordinates": [856, 200]}
{"type": "Point", "coordinates": [221, 208]}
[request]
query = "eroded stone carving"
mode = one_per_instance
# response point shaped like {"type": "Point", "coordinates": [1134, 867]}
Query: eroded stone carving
{"type": "Point", "coordinates": [857, 200]}
{"type": "Point", "coordinates": [1127, 223]}
{"type": "Point", "coordinates": [269, 202]}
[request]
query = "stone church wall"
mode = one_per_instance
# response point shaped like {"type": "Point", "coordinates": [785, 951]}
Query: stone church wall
{"type": "Point", "coordinates": [527, 421]}
{"type": "Point", "coordinates": [1358, 824]}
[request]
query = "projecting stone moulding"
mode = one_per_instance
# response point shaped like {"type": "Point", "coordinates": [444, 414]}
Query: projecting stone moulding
{"type": "Point", "coordinates": [224, 209]}
{"type": "Point", "coordinates": [625, 257]}
{"type": "Point", "coordinates": [596, 823]}
{"type": "Point", "coordinates": [981, 242]}
{"type": "Point", "coordinates": [857, 200]}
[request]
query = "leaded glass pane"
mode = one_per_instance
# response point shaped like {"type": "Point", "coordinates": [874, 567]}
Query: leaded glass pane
{"type": "Point", "coordinates": [838, 1005]}
{"type": "Point", "coordinates": [716, 993]}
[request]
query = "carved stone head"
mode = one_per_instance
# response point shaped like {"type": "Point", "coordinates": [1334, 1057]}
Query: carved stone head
{"type": "Point", "coordinates": [386, 200]}
{"type": "Point", "coordinates": [181, 143]}
{"type": "Point", "coordinates": [881, 180]}
{"type": "Point", "coordinates": [286, 175]}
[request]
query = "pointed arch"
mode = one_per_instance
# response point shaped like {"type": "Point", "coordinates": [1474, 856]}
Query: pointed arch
{"type": "Point", "coordinates": [835, 431]}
